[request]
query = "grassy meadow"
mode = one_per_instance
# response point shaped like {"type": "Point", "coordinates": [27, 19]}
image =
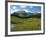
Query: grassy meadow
{"type": "Point", "coordinates": [26, 24]}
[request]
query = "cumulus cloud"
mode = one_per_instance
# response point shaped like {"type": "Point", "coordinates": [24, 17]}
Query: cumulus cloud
{"type": "Point", "coordinates": [23, 6]}
{"type": "Point", "coordinates": [31, 6]}
{"type": "Point", "coordinates": [27, 11]}
{"type": "Point", "coordinates": [38, 12]}
{"type": "Point", "coordinates": [12, 11]}
{"type": "Point", "coordinates": [13, 7]}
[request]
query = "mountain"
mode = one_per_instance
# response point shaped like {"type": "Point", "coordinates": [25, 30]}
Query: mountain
{"type": "Point", "coordinates": [21, 14]}
{"type": "Point", "coordinates": [25, 14]}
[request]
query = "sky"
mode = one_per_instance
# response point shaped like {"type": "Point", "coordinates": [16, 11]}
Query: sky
{"type": "Point", "coordinates": [32, 9]}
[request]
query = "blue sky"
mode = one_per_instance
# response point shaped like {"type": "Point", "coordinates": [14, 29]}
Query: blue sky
{"type": "Point", "coordinates": [33, 9]}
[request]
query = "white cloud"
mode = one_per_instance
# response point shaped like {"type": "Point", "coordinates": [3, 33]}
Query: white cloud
{"type": "Point", "coordinates": [23, 6]}
{"type": "Point", "coordinates": [27, 11]}
{"type": "Point", "coordinates": [14, 7]}
{"type": "Point", "coordinates": [31, 7]}
{"type": "Point", "coordinates": [16, 10]}
{"type": "Point", "coordinates": [12, 11]}
{"type": "Point", "coordinates": [38, 12]}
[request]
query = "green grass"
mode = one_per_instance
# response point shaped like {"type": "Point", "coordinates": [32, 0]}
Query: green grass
{"type": "Point", "coordinates": [26, 24]}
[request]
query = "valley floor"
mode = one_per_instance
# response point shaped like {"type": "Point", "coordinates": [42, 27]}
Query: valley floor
{"type": "Point", "coordinates": [26, 24]}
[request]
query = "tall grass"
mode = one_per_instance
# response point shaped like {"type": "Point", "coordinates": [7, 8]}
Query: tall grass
{"type": "Point", "coordinates": [26, 24]}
